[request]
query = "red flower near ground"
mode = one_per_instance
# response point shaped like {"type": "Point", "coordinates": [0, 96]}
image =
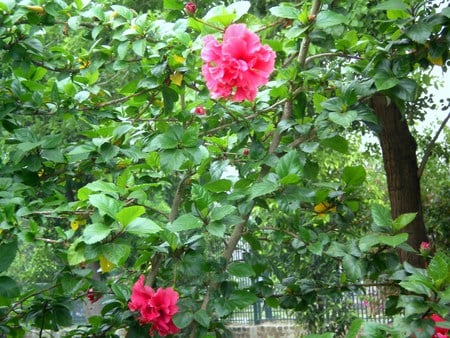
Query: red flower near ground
{"type": "Point", "coordinates": [155, 308]}
{"type": "Point", "coordinates": [235, 68]}
{"type": "Point", "coordinates": [439, 332]}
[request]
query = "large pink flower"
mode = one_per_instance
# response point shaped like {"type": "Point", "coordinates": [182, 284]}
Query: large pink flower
{"type": "Point", "coordinates": [236, 67]}
{"type": "Point", "coordinates": [439, 332]}
{"type": "Point", "coordinates": [155, 308]}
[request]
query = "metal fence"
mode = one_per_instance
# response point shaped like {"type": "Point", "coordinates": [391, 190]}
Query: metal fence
{"type": "Point", "coordinates": [367, 303]}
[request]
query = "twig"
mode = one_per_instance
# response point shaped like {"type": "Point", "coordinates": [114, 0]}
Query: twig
{"type": "Point", "coordinates": [157, 258]}
{"type": "Point", "coordinates": [323, 55]}
{"type": "Point", "coordinates": [427, 153]}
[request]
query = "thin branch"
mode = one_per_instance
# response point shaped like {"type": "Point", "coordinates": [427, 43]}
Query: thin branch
{"type": "Point", "coordinates": [120, 99]}
{"type": "Point", "coordinates": [427, 153]}
{"type": "Point", "coordinates": [324, 55]}
{"type": "Point", "coordinates": [157, 258]}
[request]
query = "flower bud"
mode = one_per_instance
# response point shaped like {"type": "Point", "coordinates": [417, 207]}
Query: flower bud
{"type": "Point", "coordinates": [200, 110]}
{"type": "Point", "coordinates": [245, 151]}
{"type": "Point", "coordinates": [425, 248]}
{"type": "Point", "coordinates": [190, 8]}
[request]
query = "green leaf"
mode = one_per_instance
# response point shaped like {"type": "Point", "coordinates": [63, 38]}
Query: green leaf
{"type": "Point", "coordinates": [354, 328]}
{"type": "Point", "coordinates": [393, 241]}
{"type": "Point", "coordinates": [173, 4]}
{"type": "Point", "coordinates": [239, 9]}
{"type": "Point", "coordinates": [384, 80]}
{"type": "Point", "coordinates": [419, 32]}
{"type": "Point", "coordinates": [287, 12]}
{"type": "Point", "coordinates": [344, 119]}
{"type": "Point", "coordinates": [439, 268]}
{"type": "Point", "coordinates": [392, 5]}
{"type": "Point", "coordinates": [139, 47]}
{"type": "Point", "coordinates": [403, 220]}
{"type": "Point", "coordinates": [381, 215]}
{"type": "Point", "coordinates": [217, 229]}
{"type": "Point", "coordinates": [329, 18]}
{"type": "Point", "coordinates": [185, 222]}
{"type": "Point", "coordinates": [262, 188]}
{"type": "Point", "coordinates": [406, 90]}
{"type": "Point", "coordinates": [202, 317]}
{"type": "Point", "coordinates": [242, 298]}
{"type": "Point", "coordinates": [368, 241]}
{"type": "Point", "coordinates": [183, 319]}
{"type": "Point", "coordinates": [170, 96]}
{"type": "Point", "coordinates": [219, 212]}
{"type": "Point", "coordinates": [353, 267]}
{"type": "Point", "coordinates": [128, 214]}
{"type": "Point", "coordinates": [221, 185]}
{"type": "Point", "coordinates": [337, 142]}
{"type": "Point", "coordinates": [95, 232]}
{"type": "Point", "coordinates": [7, 253]}
{"type": "Point", "coordinates": [354, 176]}
{"type": "Point", "coordinates": [8, 288]}
{"type": "Point", "coordinates": [123, 11]}
{"type": "Point", "coordinates": [116, 253]}
{"type": "Point", "coordinates": [288, 164]}
{"type": "Point", "coordinates": [105, 205]}
{"type": "Point", "coordinates": [142, 227]}
{"type": "Point", "coordinates": [240, 269]}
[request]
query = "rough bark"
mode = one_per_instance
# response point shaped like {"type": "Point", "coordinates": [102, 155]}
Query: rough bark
{"type": "Point", "coordinates": [400, 164]}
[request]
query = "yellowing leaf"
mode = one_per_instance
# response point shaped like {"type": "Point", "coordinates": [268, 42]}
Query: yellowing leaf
{"type": "Point", "coordinates": [105, 265]}
{"type": "Point", "coordinates": [438, 60]}
{"type": "Point", "coordinates": [324, 207]}
{"type": "Point", "coordinates": [178, 59]}
{"type": "Point", "coordinates": [37, 9]}
{"type": "Point", "coordinates": [176, 78]}
{"type": "Point", "coordinates": [76, 223]}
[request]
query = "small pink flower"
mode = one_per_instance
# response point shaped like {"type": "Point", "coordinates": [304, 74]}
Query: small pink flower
{"type": "Point", "coordinates": [200, 110]}
{"type": "Point", "coordinates": [190, 8]}
{"type": "Point", "coordinates": [235, 68]}
{"type": "Point", "coordinates": [155, 308]}
{"type": "Point", "coordinates": [425, 246]}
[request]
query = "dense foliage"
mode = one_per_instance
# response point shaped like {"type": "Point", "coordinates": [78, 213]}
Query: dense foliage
{"type": "Point", "coordinates": [117, 159]}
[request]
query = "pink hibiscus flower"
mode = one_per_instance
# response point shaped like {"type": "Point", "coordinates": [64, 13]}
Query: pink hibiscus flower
{"type": "Point", "coordinates": [439, 332]}
{"type": "Point", "coordinates": [155, 308]}
{"type": "Point", "coordinates": [236, 67]}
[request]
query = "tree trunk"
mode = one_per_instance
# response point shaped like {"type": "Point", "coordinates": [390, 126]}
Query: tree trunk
{"type": "Point", "coordinates": [400, 163]}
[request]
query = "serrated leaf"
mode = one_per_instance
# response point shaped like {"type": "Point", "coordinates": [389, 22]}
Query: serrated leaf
{"type": "Point", "coordinates": [403, 220]}
{"type": "Point", "coordinates": [419, 32]}
{"type": "Point", "coordinates": [8, 287]}
{"type": "Point", "coordinates": [183, 319]}
{"type": "Point", "coordinates": [393, 241]}
{"type": "Point", "coordinates": [241, 269]}
{"type": "Point", "coordinates": [242, 298]}
{"type": "Point", "coordinates": [105, 205]}
{"type": "Point", "coordinates": [219, 185]}
{"type": "Point", "coordinates": [344, 119]}
{"type": "Point", "coordinates": [353, 267]}
{"type": "Point", "coordinates": [7, 253]}
{"type": "Point", "coordinates": [439, 268]}
{"type": "Point", "coordinates": [142, 227]}
{"type": "Point", "coordinates": [381, 215]}
{"type": "Point", "coordinates": [392, 5]}
{"type": "Point", "coordinates": [287, 12]}
{"type": "Point", "coordinates": [128, 214]}
{"type": "Point", "coordinates": [116, 253]}
{"type": "Point", "coordinates": [202, 317]}
{"type": "Point", "coordinates": [338, 143]}
{"type": "Point", "coordinates": [95, 232]}
{"type": "Point", "coordinates": [262, 188]}
{"type": "Point", "coordinates": [219, 212]}
{"type": "Point", "coordinates": [329, 18]}
{"type": "Point", "coordinates": [185, 222]}
{"type": "Point", "coordinates": [354, 176]}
